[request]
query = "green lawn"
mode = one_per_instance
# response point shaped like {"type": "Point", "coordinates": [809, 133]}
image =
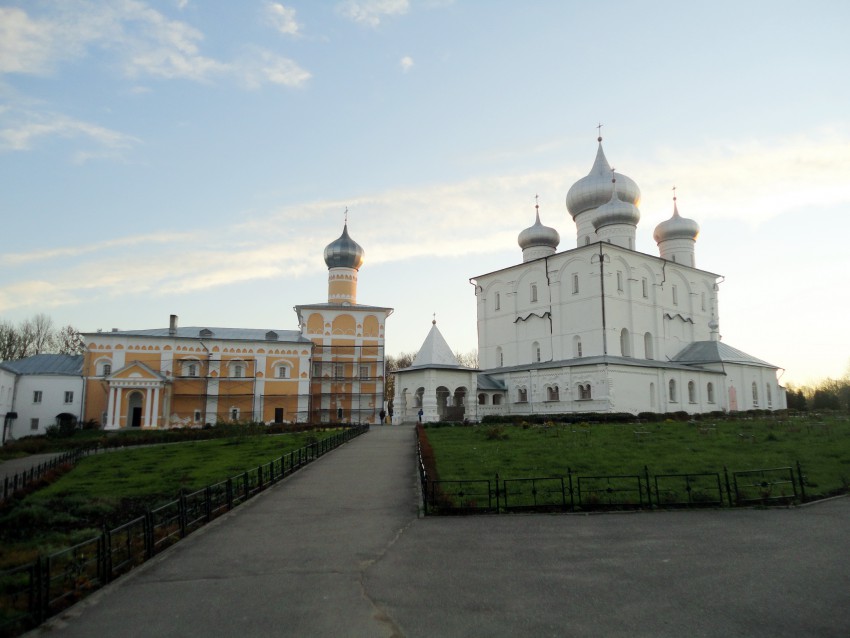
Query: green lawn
{"type": "Point", "coordinates": [112, 487]}
{"type": "Point", "coordinates": [480, 452]}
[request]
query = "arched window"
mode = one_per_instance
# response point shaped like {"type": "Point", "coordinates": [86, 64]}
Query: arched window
{"type": "Point", "coordinates": [482, 399]}
{"type": "Point", "coordinates": [755, 395]}
{"type": "Point", "coordinates": [522, 395]}
{"type": "Point", "coordinates": [575, 283]}
{"type": "Point", "coordinates": [692, 392]}
{"type": "Point", "coordinates": [282, 371]}
{"type": "Point", "coordinates": [584, 392]}
{"type": "Point", "coordinates": [552, 393]}
{"type": "Point", "coordinates": [672, 390]}
{"type": "Point", "coordinates": [535, 351]}
{"type": "Point", "coordinates": [648, 348]}
{"type": "Point", "coordinates": [190, 368]}
{"type": "Point", "coordinates": [709, 391]}
{"type": "Point", "coordinates": [417, 398]}
{"type": "Point", "coordinates": [498, 304]}
{"type": "Point", "coordinates": [533, 293]}
{"type": "Point", "coordinates": [234, 414]}
{"type": "Point", "coordinates": [625, 343]}
{"type": "Point", "coordinates": [577, 346]}
{"type": "Point", "coordinates": [497, 399]}
{"type": "Point", "coordinates": [768, 394]}
{"type": "Point", "coordinates": [237, 370]}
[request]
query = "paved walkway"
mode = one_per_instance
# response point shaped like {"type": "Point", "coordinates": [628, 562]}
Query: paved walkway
{"type": "Point", "coordinates": [11, 467]}
{"type": "Point", "coordinates": [337, 550]}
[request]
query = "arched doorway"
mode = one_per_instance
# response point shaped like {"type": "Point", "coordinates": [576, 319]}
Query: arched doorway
{"type": "Point", "coordinates": [457, 410]}
{"type": "Point", "coordinates": [443, 395]}
{"type": "Point", "coordinates": [134, 410]}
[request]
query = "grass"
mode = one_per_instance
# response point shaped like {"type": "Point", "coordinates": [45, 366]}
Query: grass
{"type": "Point", "coordinates": [113, 487]}
{"type": "Point", "coordinates": [482, 451]}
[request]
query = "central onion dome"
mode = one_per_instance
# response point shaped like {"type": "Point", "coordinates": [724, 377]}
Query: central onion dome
{"type": "Point", "coordinates": [594, 189]}
{"type": "Point", "coordinates": [344, 252]}
{"type": "Point", "coordinates": [676, 227]}
{"type": "Point", "coordinates": [616, 211]}
{"type": "Point", "coordinates": [539, 235]}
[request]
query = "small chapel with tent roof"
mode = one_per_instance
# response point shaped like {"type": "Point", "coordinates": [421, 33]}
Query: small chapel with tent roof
{"type": "Point", "coordinates": [600, 327]}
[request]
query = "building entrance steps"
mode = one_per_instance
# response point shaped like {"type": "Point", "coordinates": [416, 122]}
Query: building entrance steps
{"type": "Point", "coordinates": [337, 550]}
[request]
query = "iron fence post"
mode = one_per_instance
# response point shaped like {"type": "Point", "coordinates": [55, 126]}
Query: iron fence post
{"type": "Point", "coordinates": [802, 483]}
{"type": "Point", "coordinates": [181, 513]}
{"type": "Point", "coordinates": [497, 495]}
{"type": "Point", "coordinates": [728, 487]}
{"type": "Point", "coordinates": [246, 488]}
{"type": "Point", "coordinates": [208, 503]}
{"type": "Point", "coordinates": [106, 537]}
{"type": "Point", "coordinates": [572, 495]}
{"type": "Point", "coordinates": [648, 487]}
{"type": "Point", "coordinates": [228, 491]}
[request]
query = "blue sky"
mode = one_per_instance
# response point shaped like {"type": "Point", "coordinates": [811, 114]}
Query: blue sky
{"type": "Point", "coordinates": [195, 158]}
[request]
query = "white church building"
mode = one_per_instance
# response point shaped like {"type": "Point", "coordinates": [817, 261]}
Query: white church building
{"type": "Point", "coordinates": [597, 328]}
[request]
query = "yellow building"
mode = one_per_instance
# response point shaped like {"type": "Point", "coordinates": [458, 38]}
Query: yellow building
{"type": "Point", "coordinates": [330, 370]}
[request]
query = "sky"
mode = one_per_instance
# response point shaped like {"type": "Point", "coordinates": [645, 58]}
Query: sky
{"type": "Point", "coordinates": [195, 157]}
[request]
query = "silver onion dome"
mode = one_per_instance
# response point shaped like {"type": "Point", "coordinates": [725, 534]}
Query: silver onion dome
{"type": "Point", "coordinates": [344, 252]}
{"type": "Point", "coordinates": [616, 211]}
{"type": "Point", "coordinates": [539, 235]}
{"type": "Point", "coordinates": [594, 189]}
{"type": "Point", "coordinates": [677, 227]}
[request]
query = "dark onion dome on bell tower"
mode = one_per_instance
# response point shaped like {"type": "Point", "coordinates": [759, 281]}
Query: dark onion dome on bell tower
{"type": "Point", "coordinates": [344, 252]}
{"type": "Point", "coordinates": [676, 237]}
{"type": "Point", "coordinates": [538, 240]}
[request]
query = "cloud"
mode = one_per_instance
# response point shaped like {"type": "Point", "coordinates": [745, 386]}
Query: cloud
{"type": "Point", "coordinates": [26, 45]}
{"type": "Point", "coordinates": [282, 18]}
{"type": "Point", "coordinates": [481, 215]}
{"type": "Point", "coordinates": [19, 130]}
{"type": "Point", "coordinates": [370, 12]}
{"type": "Point", "coordinates": [406, 63]}
{"type": "Point", "coordinates": [142, 41]}
{"type": "Point", "coordinates": [261, 67]}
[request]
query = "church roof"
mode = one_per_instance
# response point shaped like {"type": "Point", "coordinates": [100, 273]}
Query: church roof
{"type": "Point", "coordinates": [717, 352]}
{"type": "Point", "coordinates": [435, 352]}
{"type": "Point", "coordinates": [47, 364]}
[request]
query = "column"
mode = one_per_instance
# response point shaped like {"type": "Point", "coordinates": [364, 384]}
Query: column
{"type": "Point", "coordinates": [155, 411]}
{"type": "Point", "coordinates": [110, 410]}
{"type": "Point", "coordinates": [148, 408]}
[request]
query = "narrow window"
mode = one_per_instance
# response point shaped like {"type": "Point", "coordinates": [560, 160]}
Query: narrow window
{"type": "Point", "coordinates": [197, 416]}
{"type": "Point", "coordinates": [755, 395]}
{"type": "Point", "coordinates": [282, 372]}
{"type": "Point", "coordinates": [317, 369]}
{"type": "Point", "coordinates": [702, 302]}
{"type": "Point", "coordinates": [192, 370]}
{"type": "Point", "coordinates": [625, 343]}
{"type": "Point", "coordinates": [675, 296]}
{"type": "Point", "coordinates": [535, 351]}
{"type": "Point", "coordinates": [768, 394]}
{"type": "Point", "coordinates": [692, 392]}
{"type": "Point", "coordinates": [237, 371]}
{"type": "Point", "coordinates": [533, 293]}
{"type": "Point", "coordinates": [33, 424]}
{"type": "Point", "coordinates": [482, 399]}
{"type": "Point", "coordinates": [107, 369]}
{"type": "Point", "coordinates": [644, 285]}
{"type": "Point", "coordinates": [339, 370]}
{"type": "Point", "coordinates": [672, 389]}
{"type": "Point", "coordinates": [498, 301]}
{"type": "Point", "coordinates": [709, 391]}
{"type": "Point", "coordinates": [619, 281]}
{"type": "Point", "coordinates": [364, 372]}
{"type": "Point", "coordinates": [522, 395]}
{"type": "Point", "coordinates": [234, 414]}
{"type": "Point", "coordinates": [36, 396]}
{"type": "Point", "coordinates": [500, 357]}
{"type": "Point", "coordinates": [648, 348]}
{"type": "Point", "coordinates": [69, 397]}
{"type": "Point", "coordinates": [575, 283]}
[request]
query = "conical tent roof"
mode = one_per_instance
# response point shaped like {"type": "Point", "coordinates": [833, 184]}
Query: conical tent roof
{"type": "Point", "coordinates": [435, 351]}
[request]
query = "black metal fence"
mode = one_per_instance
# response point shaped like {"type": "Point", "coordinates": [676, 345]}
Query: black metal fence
{"type": "Point", "coordinates": [576, 492]}
{"type": "Point", "coordinates": [20, 481]}
{"type": "Point", "coordinates": [31, 593]}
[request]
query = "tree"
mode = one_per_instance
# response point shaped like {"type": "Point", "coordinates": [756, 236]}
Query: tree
{"type": "Point", "coordinates": [68, 340]}
{"type": "Point", "coordinates": [391, 364]}
{"type": "Point", "coordinates": [468, 359]}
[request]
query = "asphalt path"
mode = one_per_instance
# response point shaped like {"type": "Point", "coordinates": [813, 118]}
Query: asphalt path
{"type": "Point", "coordinates": [338, 549]}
